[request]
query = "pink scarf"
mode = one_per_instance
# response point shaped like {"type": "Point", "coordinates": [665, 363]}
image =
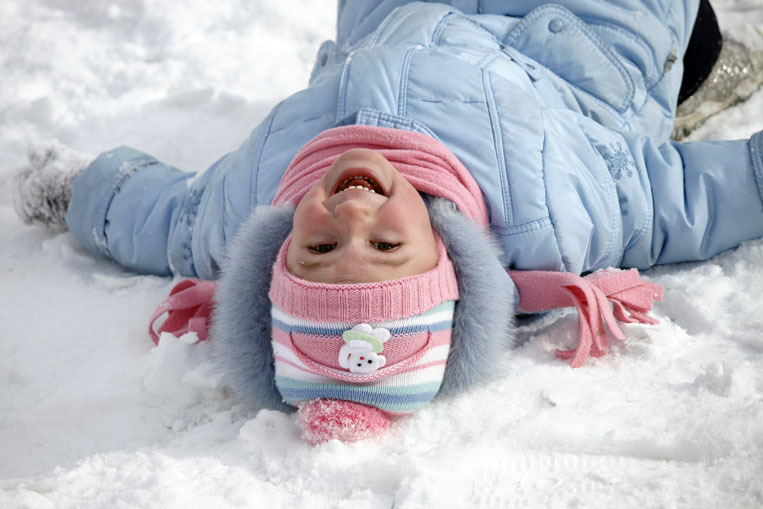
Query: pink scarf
{"type": "Point", "coordinates": [425, 162]}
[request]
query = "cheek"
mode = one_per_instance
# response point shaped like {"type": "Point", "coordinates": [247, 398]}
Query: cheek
{"type": "Point", "coordinates": [306, 223]}
{"type": "Point", "coordinates": [308, 217]}
{"type": "Point", "coordinates": [409, 213]}
{"type": "Point", "coordinates": [414, 217]}
{"type": "Point", "coordinates": [408, 216]}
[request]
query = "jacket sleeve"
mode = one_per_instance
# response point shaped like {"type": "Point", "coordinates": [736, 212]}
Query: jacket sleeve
{"type": "Point", "coordinates": [705, 197]}
{"type": "Point", "coordinates": [156, 219]}
{"type": "Point", "coordinates": [126, 206]}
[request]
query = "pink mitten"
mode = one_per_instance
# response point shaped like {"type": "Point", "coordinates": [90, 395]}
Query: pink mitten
{"type": "Point", "coordinates": [324, 419]}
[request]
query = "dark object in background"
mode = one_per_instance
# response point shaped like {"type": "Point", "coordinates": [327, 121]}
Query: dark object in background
{"type": "Point", "coordinates": [702, 52]}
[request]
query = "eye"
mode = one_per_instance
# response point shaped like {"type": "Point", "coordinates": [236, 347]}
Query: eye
{"type": "Point", "coordinates": [384, 246]}
{"type": "Point", "coordinates": [322, 248]}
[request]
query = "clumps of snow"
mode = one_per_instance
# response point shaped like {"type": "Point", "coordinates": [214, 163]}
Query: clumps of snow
{"type": "Point", "coordinates": [726, 379]}
{"type": "Point", "coordinates": [269, 427]}
{"type": "Point", "coordinates": [178, 366]}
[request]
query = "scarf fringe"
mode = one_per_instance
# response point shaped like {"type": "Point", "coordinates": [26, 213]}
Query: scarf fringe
{"type": "Point", "coordinates": [189, 305]}
{"type": "Point", "coordinates": [631, 299]}
{"type": "Point", "coordinates": [188, 309]}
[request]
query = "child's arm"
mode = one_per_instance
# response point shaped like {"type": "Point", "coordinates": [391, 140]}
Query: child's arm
{"type": "Point", "coordinates": [157, 219]}
{"type": "Point", "coordinates": [706, 197]}
{"type": "Point", "coordinates": [125, 206]}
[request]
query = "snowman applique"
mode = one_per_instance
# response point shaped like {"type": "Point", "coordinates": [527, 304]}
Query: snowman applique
{"type": "Point", "coordinates": [363, 344]}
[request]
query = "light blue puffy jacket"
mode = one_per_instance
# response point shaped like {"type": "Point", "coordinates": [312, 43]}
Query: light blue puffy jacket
{"type": "Point", "coordinates": [561, 113]}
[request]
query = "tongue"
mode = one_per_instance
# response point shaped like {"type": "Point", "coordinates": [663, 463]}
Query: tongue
{"type": "Point", "coordinates": [359, 182]}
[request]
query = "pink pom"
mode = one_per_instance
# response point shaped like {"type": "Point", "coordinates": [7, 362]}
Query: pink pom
{"type": "Point", "coordinates": [324, 419]}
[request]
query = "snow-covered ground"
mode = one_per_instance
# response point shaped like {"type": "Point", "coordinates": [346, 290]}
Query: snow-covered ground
{"type": "Point", "coordinates": [92, 415]}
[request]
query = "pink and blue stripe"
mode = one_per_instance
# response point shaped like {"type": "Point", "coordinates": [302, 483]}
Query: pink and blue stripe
{"type": "Point", "coordinates": [306, 361]}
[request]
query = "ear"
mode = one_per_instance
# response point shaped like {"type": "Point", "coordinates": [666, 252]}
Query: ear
{"type": "Point", "coordinates": [483, 326]}
{"type": "Point", "coordinates": [241, 331]}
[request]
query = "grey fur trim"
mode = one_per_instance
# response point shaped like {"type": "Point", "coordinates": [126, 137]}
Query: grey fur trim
{"type": "Point", "coordinates": [483, 328]}
{"type": "Point", "coordinates": [483, 323]}
{"type": "Point", "coordinates": [240, 335]}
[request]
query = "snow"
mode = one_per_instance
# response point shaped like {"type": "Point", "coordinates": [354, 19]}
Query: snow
{"type": "Point", "coordinates": [93, 415]}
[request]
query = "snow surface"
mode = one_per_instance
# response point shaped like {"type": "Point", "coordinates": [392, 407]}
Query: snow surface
{"type": "Point", "coordinates": [92, 415]}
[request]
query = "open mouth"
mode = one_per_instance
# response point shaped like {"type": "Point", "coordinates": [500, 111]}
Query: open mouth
{"type": "Point", "coordinates": [360, 182]}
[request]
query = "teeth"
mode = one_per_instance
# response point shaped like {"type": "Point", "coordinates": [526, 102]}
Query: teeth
{"type": "Point", "coordinates": [370, 187]}
{"type": "Point", "coordinates": [359, 187]}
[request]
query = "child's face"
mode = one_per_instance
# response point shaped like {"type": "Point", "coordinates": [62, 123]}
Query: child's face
{"type": "Point", "coordinates": [345, 233]}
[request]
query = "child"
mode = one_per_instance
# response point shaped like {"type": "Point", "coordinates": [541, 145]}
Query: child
{"type": "Point", "coordinates": [547, 130]}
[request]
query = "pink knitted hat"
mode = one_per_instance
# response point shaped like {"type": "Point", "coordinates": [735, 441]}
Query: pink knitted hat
{"type": "Point", "coordinates": [382, 344]}
{"type": "Point", "coordinates": [374, 302]}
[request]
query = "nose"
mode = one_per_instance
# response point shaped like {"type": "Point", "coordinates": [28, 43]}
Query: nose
{"type": "Point", "coordinates": [353, 214]}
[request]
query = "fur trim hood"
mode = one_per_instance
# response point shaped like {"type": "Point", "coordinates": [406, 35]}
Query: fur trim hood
{"type": "Point", "coordinates": [483, 327]}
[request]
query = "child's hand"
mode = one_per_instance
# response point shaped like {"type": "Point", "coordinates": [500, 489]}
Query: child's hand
{"type": "Point", "coordinates": [43, 188]}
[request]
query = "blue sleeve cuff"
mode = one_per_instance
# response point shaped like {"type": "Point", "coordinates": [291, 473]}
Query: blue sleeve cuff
{"type": "Point", "coordinates": [95, 188]}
